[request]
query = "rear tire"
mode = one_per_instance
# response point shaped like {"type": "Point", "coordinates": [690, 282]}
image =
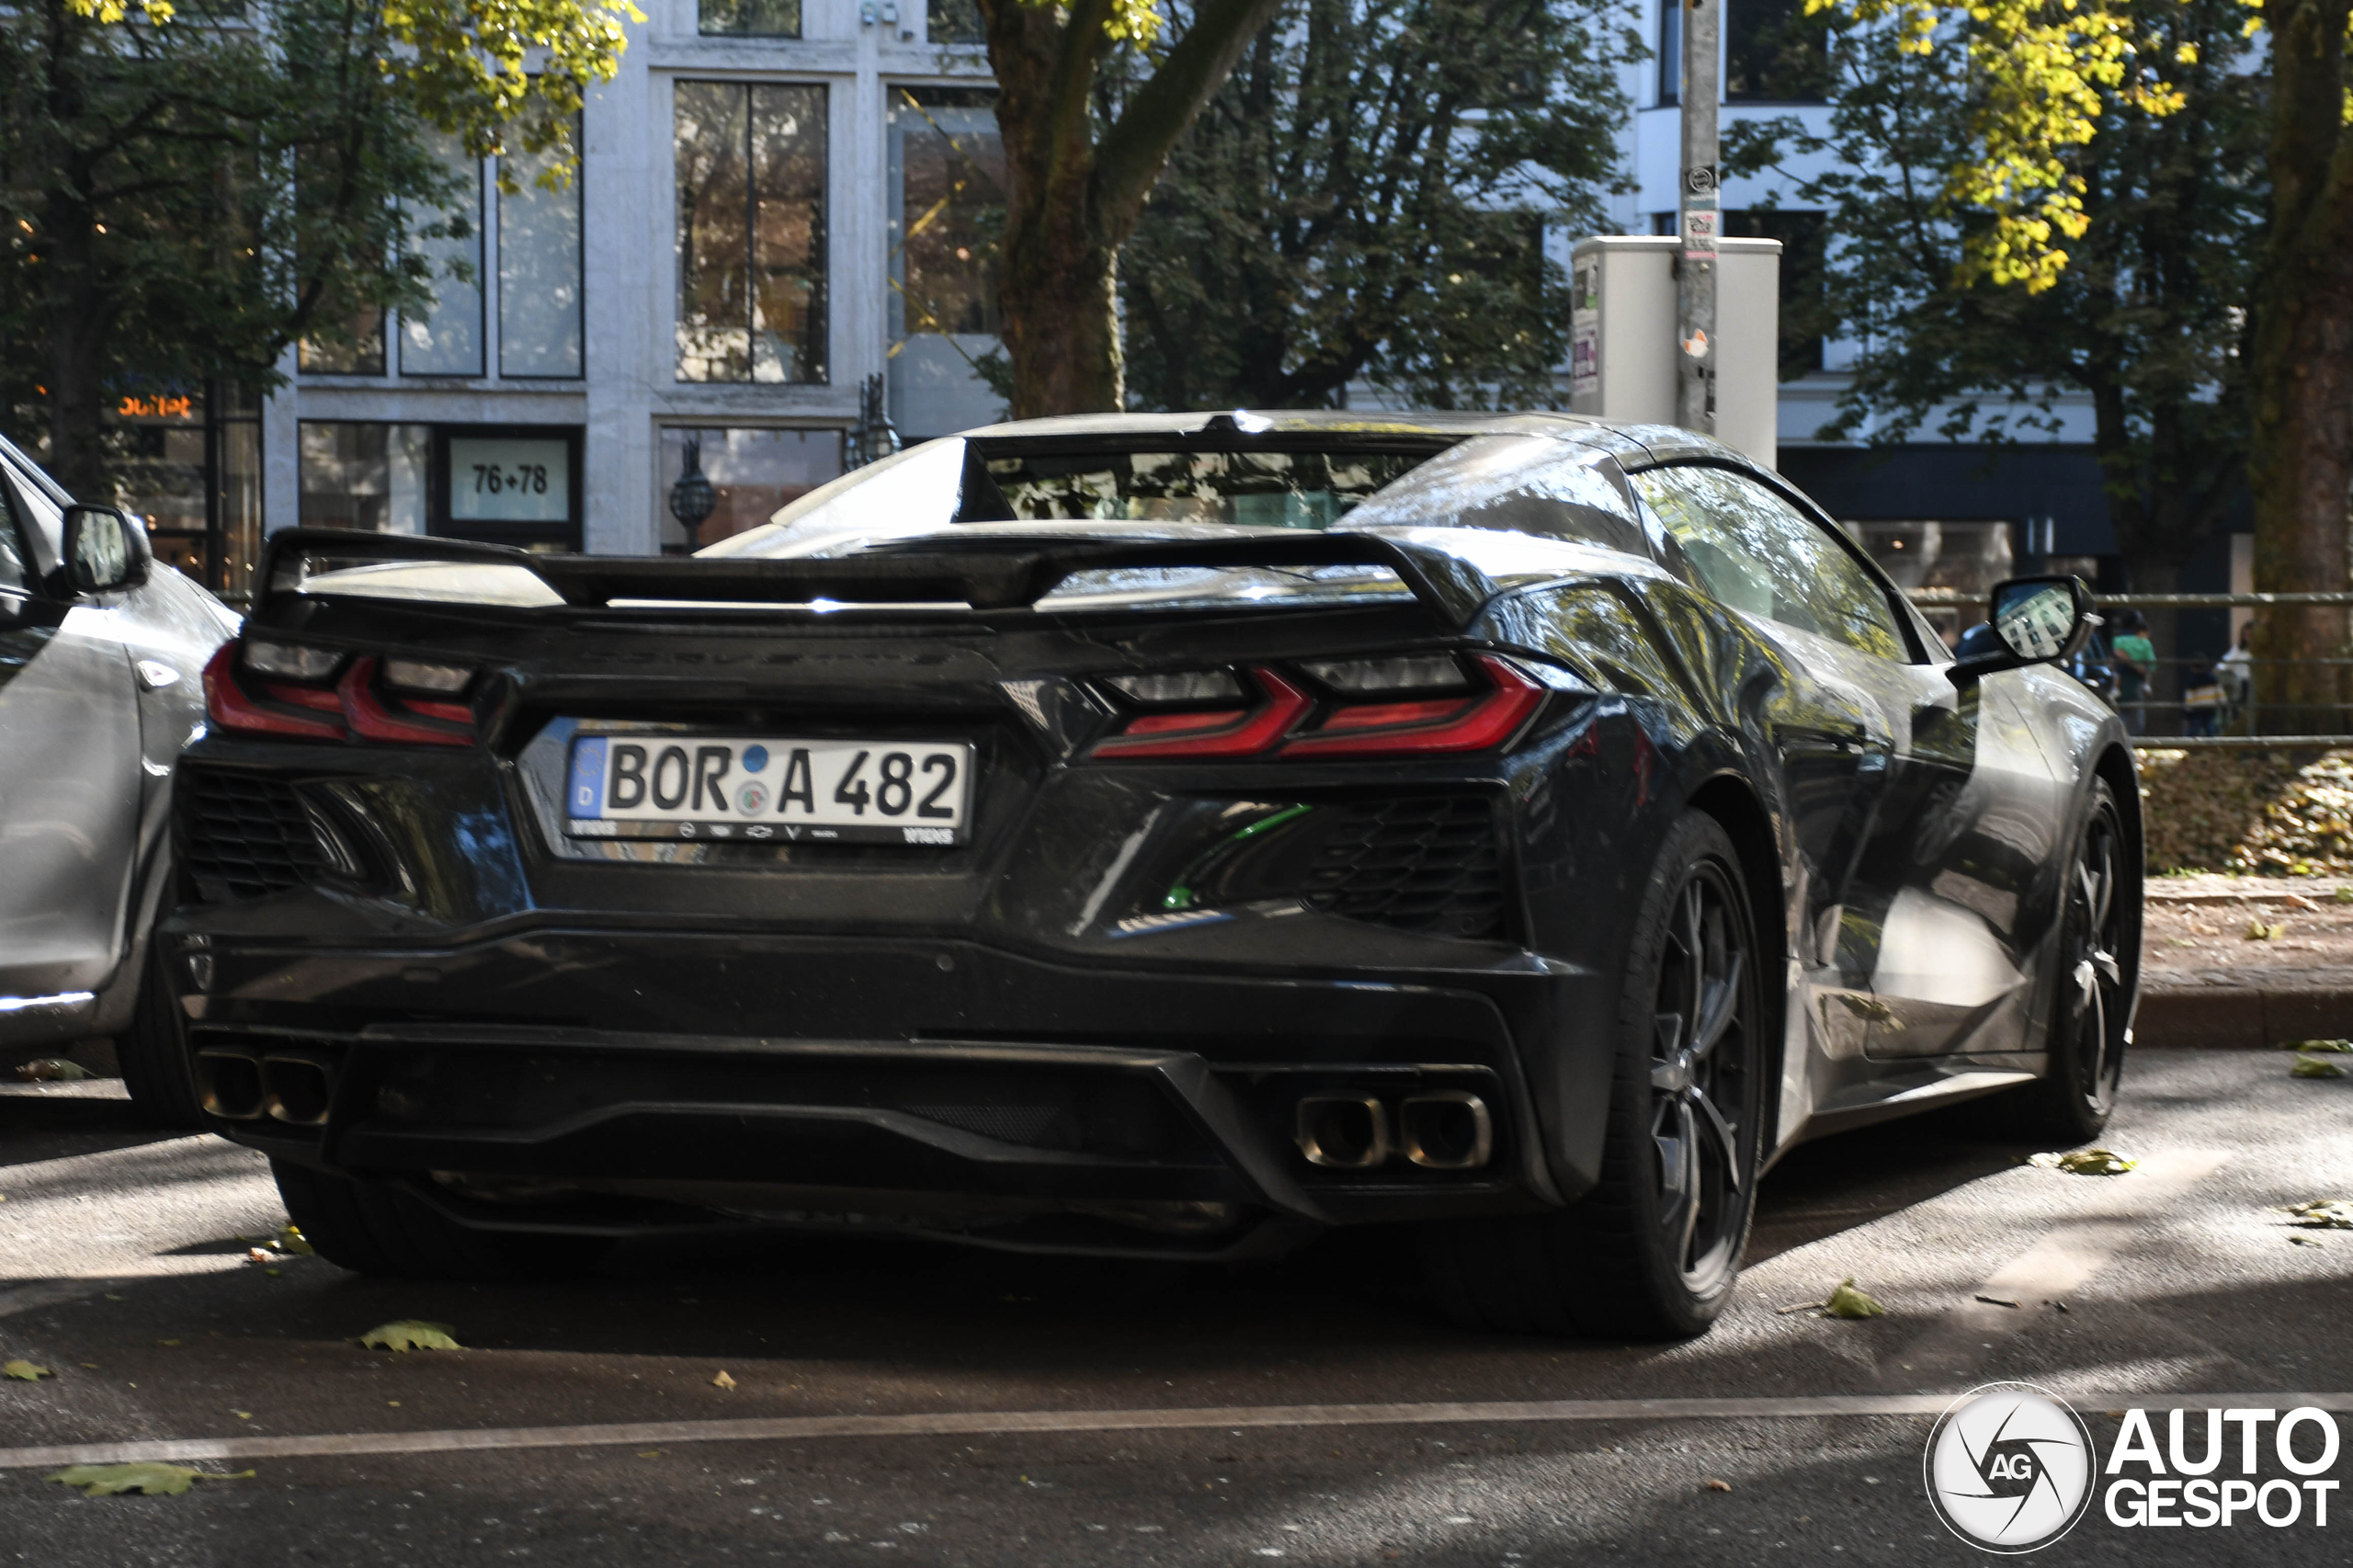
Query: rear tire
{"type": "Point", "coordinates": [2100, 965]}
{"type": "Point", "coordinates": [1653, 1251]}
{"type": "Point", "coordinates": [152, 1053]}
{"type": "Point", "coordinates": [378, 1228]}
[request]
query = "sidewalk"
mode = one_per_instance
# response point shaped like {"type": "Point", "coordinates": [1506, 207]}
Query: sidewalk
{"type": "Point", "coordinates": [2205, 983]}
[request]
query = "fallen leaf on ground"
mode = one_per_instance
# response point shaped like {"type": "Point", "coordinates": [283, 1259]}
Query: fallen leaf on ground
{"type": "Point", "coordinates": [2087, 1162]}
{"type": "Point", "coordinates": [1715, 1486]}
{"type": "Point", "coordinates": [155, 1480]}
{"type": "Point", "coordinates": [1997, 1301]}
{"type": "Point", "coordinates": [2326, 1047]}
{"type": "Point", "coordinates": [242, 1414]}
{"type": "Point", "coordinates": [2256, 931]}
{"type": "Point", "coordinates": [722, 1381]}
{"type": "Point", "coordinates": [1846, 1301]}
{"type": "Point", "coordinates": [2301, 902]}
{"type": "Point", "coordinates": [50, 1070]}
{"type": "Point", "coordinates": [2322, 1214]}
{"type": "Point", "coordinates": [290, 1239]}
{"type": "Point", "coordinates": [2301, 1242]}
{"type": "Point", "coordinates": [410, 1334]}
{"type": "Point", "coordinates": [25, 1371]}
{"type": "Point", "coordinates": [256, 1254]}
{"type": "Point", "coordinates": [2345, 895]}
{"type": "Point", "coordinates": [2316, 1067]}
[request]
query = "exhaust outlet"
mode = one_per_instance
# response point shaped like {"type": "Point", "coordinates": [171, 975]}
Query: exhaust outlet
{"type": "Point", "coordinates": [297, 1090]}
{"type": "Point", "coordinates": [1347, 1132]}
{"type": "Point", "coordinates": [1447, 1129]}
{"type": "Point", "coordinates": [228, 1083]}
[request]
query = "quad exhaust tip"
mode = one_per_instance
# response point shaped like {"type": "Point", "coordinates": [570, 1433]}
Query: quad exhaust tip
{"type": "Point", "coordinates": [1440, 1130]}
{"type": "Point", "coordinates": [238, 1087]}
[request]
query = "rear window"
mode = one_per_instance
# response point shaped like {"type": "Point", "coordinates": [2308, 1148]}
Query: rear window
{"type": "Point", "coordinates": [956, 481]}
{"type": "Point", "coordinates": [1251, 489]}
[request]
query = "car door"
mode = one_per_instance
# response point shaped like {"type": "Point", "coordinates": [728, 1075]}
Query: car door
{"type": "Point", "coordinates": [69, 772]}
{"type": "Point", "coordinates": [1829, 701]}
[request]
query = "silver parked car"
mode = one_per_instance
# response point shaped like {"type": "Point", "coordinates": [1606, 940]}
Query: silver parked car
{"type": "Point", "coordinates": [102, 656]}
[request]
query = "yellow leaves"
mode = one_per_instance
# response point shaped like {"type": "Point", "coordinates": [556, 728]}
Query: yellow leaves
{"type": "Point", "coordinates": [722, 1381]}
{"type": "Point", "coordinates": [25, 1371]}
{"type": "Point", "coordinates": [2184, 54]}
{"type": "Point", "coordinates": [109, 12]}
{"type": "Point", "coordinates": [2046, 70]}
{"type": "Point", "coordinates": [153, 1479]}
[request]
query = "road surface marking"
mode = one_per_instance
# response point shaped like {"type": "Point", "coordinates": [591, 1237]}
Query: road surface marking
{"type": "Point", "coordinates": [965, 1424]}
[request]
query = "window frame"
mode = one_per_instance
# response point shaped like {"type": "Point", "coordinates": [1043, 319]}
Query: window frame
{"type": "Point", "coordinates": [1915, 640]}
{"type": "Point", "coordinates": [832, 104]}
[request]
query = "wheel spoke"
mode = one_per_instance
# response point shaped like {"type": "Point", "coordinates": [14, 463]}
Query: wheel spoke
{"type": "Point", "coordinates": [1690, 1188]}
{"type": "Point", "coordinates": [1723, 997]}
{"type": "Point", "coordinates": [1713, 1120]}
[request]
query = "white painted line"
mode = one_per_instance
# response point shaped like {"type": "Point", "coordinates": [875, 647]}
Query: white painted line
{"type": "Point", "coordinates": [965, 1424]}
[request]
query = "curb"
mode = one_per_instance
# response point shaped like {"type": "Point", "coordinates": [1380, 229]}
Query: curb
{"type": "Point", "coordinates": [2210, 1017]}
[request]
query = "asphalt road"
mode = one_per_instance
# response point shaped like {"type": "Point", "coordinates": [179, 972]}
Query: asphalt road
{"type": "Point", "coordinates": [124, 1269]}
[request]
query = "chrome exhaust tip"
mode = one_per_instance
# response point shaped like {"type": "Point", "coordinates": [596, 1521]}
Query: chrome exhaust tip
{"type": "Point", "coordinates": [1447, 1129]}
{"type": "Point", "coordinates": [228, 1084]}
{"type": "Point", "coordinates": [297, 1090]}
{"type": "Point", "coordinates": [1347, 1132]}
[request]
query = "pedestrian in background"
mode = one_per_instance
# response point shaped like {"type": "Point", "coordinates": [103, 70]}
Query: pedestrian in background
{"type": "Point", "coordinates": [2136, 663]}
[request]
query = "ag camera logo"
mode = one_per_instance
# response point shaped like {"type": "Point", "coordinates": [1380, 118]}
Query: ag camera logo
{"type": "Point", "coordinates": [2009, 1467]}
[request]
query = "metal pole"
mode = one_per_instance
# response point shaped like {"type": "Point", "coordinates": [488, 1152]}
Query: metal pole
{"type": "Point", "coordinates": [1695, 283]}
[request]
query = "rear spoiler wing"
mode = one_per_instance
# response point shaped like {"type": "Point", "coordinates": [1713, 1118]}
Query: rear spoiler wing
{"type": "Point", "coordinates": [1011, 578]}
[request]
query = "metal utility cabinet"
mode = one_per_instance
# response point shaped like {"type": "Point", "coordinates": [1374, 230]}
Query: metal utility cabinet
{"type": "Point", "coordinates": [1622, 344]}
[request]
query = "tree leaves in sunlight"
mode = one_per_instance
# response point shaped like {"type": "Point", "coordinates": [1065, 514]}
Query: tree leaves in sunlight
{"type": "Point", "coordinates": [410, 1334]}
{"type": "Point", "coordinates": [153, 1479]}
{"type": "Point", "coordinates": [2087, 1162]}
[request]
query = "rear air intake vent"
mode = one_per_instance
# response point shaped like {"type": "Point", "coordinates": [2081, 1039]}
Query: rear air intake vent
{"type": "Point", "coordinates": [242, 836]}
{"type": "Point", "coordinates": [1422, 864]}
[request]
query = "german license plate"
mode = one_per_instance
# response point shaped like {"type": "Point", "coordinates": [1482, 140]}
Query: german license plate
{"type": "Point", "coordinates": [762, 789]}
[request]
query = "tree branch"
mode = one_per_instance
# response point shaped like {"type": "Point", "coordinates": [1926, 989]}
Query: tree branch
{"type": "Point", "coordinates": [1132, 152]}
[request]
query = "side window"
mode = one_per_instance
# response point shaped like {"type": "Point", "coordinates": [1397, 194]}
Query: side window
{"type": "Point", "coordinates": [15, 568]}
{"type": "Point", "coordinates": [1757, 553]}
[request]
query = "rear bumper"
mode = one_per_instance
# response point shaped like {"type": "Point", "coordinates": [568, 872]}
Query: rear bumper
{"type": "Point", "coordinates": [628, 1080]}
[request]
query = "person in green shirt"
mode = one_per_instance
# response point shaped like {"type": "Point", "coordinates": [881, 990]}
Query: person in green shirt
{"type": "Point", "coordinates": [2136, 665]}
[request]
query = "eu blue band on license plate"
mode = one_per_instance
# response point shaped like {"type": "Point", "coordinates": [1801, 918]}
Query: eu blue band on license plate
{"type": "Point", "coordinates": [672, 785]}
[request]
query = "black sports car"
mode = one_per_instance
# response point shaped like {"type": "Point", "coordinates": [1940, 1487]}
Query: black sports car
{"type": "Point", "coordinates": [1160, 835]}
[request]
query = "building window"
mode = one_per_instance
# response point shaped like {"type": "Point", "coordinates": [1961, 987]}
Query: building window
{"type": "Point", "coordinates": [1670, 53]}
{"type": "Point", "coordinates": [447, 339]}
{"type": "Point", "coordinates": [948, 212]}
{"type": "Point", "coordinates": [539, 271]}
{"type": "Point", "coordinates": [1805, 278]}
{"type": "Point", "coordinates": [353, 346]}
{"type": "Point", "coordinates": [1774, 52]}
{"type": "Point", "coordinates": [189, 466]}
{"type": "Point", "coordinates": [750, 19]}
{"type": "Point", "coordinates": [751, 176]}
{"type": "Point", "coordinates": [755, 471]}
{"type": "Point", "coordinates": [511, 484]}
{"type": "Point", "coordinates": [366, 476]}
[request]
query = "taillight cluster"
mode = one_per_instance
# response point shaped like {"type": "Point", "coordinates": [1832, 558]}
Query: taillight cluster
{"type": "Point", "coordinates": [261, 686]}
{"type": "Point", "coordinates": [1408, 705]}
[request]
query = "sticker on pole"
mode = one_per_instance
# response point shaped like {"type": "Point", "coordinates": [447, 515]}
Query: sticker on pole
{"type": "Point", "coordinates": [2009, 1467]}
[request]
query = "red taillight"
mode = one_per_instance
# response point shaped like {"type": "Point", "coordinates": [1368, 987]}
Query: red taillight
{"type": "Point", "coordinates": [1236, 733]}
{"type": "Point", "coordinates": [1403, 729]}
{"type": "Point", "coordinates": [351, 708]}
{"type": "Point", "coordinates": [229, 707]}
{"type": "Point", "coordinates": [1408, 725]}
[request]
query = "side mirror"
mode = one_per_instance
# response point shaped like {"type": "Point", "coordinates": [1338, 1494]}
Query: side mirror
{"type": "Point", "coordinates": [104, 549]}
{"type": "Point", "coordinates": [2036, 621]}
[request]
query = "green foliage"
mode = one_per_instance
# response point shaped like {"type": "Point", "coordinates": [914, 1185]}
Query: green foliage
{"type": "Point", "coordinates": [1366, 197]}
{"type": "Point", "coordinates": [2146, 314]}
{"type": "Point", "coordinates": [186, 192]}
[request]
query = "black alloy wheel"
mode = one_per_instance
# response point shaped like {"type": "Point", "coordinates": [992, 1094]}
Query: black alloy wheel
{"type": "Point", "coordinates": [1653, 1251]}
{"type": "Point", "coordinates": [1702, 1124]}
{"type": "Point", "coordinates": [2098, 966]}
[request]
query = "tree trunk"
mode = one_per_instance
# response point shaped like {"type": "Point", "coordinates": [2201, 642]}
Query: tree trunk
{"type": "Point", "coordinates": [1071, 199]}
{"type": "Point", "coordinates": [2300, 372]}
{"type": "Point", "coordinates": [76, 332]}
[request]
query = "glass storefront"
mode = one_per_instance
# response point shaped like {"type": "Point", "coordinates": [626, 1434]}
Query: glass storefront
{"type": "Point", "coordinates": [755, 471]}
{"type": "Point", "coordinates": [189, 466]}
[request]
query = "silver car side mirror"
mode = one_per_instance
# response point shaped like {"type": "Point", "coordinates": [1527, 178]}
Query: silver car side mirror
{"type": "Point", "coordinates": [104, 549]}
